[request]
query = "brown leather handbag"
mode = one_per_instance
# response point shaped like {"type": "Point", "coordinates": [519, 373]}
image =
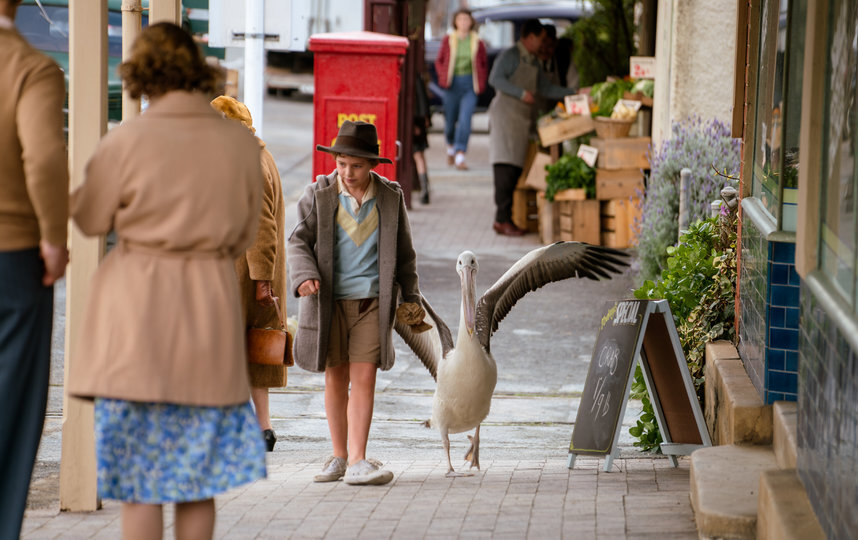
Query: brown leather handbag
{"type": "Point", "coordinates": [270, 346]}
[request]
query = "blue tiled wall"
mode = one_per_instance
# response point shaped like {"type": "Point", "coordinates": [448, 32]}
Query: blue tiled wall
{"type": "Point", "coordinates": [752, 295]}
{"type": "Point", "coordinates": [769, 298]}
{"type": "Point", "coordinates": [783, 307]}
{"type": "Point", "coordinates": [828, 420]}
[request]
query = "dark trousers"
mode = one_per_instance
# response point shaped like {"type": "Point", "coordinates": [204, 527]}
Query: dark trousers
{"type": "Point", "coordinates": [26, 310]}
{"type": "Point", "coordinates": [506, 177]}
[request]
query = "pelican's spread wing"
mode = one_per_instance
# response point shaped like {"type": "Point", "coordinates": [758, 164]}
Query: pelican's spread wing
{"type": "Point", "coordinates": [555, 262]}
{"type": "Point", "coordinates": [429, 346]}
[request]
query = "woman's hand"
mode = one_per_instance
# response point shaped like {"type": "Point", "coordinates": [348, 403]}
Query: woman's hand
{"type": "Point", "coordinates": [309, 287]}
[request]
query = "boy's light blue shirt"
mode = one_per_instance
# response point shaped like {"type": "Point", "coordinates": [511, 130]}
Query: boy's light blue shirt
{"type": "Point", "coordinates": [356, 252]}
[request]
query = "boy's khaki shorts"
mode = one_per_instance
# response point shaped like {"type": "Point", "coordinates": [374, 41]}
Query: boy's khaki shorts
{"type": "Point", "coordinates": [354, 332]}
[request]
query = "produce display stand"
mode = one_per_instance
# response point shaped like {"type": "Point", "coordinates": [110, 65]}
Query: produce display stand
{"type": "Point", "coordinates": [552, 132]}
{"type": "Point", "coordinates": [611, 218]}
{"type": "Point", "coordinates": [645, 100]}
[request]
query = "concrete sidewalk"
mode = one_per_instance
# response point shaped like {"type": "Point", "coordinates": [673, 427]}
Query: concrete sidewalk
{"type": "Point", "coordinates": [543, 350]}
{"type": "Point", "coordinates": [641, 498]}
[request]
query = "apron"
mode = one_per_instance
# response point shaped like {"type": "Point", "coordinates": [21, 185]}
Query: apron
{"type": "Point", "coordinates": [510, 119]}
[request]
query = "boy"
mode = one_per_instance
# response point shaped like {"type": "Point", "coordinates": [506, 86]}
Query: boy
{"type": "Point", "coordinates": [350, 257]}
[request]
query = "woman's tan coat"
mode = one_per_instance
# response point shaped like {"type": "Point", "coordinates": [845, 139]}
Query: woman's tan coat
{"type": "Point", "coordinates": [265, 260]}
{"type": "Point", "coordinates": [181, 186]}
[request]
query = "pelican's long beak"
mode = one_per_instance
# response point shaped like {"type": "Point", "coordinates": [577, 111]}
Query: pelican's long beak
{"type": "Point", "coordinates": [469, 297]}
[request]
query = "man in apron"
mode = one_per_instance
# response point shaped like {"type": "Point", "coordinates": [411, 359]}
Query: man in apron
{"type": "Point", "coordinates": [518, 80]}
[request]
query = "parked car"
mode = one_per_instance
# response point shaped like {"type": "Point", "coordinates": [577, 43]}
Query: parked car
{"type": "Point", "coordinates": [46, 28]}
{"type": "Point", "coordinates": [499, 27]}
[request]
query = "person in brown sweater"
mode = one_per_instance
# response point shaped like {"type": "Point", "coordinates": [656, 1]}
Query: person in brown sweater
{"type": "Point", "coordinates": [34, 191]}
{"type": "Point", "coordinates": [261, 270]}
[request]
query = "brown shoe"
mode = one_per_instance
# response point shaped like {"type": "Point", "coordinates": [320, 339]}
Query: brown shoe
{"type": "Point", "coordinates": [451, 160]}
{"type": "Point", "coordinates": [507, 229]}
{"type": "Point", "coordinates": [462, 166]}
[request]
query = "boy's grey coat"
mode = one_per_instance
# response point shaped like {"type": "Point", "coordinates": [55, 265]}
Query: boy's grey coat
{"type": "Point", "coordinates": [310, 255]}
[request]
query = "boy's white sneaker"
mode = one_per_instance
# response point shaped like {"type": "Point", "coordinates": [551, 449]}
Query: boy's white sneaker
{"type": "Point", "coordinates": [333, 470]}
{"type": "Point", "coordinates": [365, 473]}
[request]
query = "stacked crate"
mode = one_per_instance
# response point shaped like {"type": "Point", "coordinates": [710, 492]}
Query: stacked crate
{"type": "Point", "coordinates": [619, 184]}
{"type": "Point", "coordinates": [571, 216]}
{"type": "Point", "coordinates": [525, 214]}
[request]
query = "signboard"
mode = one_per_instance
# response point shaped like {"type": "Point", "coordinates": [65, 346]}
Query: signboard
{"type": "Point", "coordinates": [632, 331]}
{"type": "Point", "coordinates": [577, 104]}
{"type": "Point", "coordinates": [588, 153]}
{"type": "Point", "coordinates": [633, 104]}
{"type": "Point", "coordinates": [642, 67]}
{"type": "Point", "coordinates": [287, 24]}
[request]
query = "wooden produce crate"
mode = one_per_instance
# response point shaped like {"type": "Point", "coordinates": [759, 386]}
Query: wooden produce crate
{"type": "Point", "coordinates": [555, 131]}
{"type": "Point", "coordinates": [571, 216]}
{"type": "Point", "coordinates": [525, 214]}
{"type": "Point", "coordinates": [624, 153]}
{"type": "Point", "coordinates": [618, 184]}
{"type": "Point", "coordinates": [618, 219]}
{"type": "Point", "coordinates": [638, 96]}
{"type": "Point", "coordinates": [549, 220]}
{"type": "Point", "coordinates": [532, 152]}
{"type": "Point", "coordinates": [536, 173]}
{"type": "Point", "coordinates": [574, 194]}
{"type": "Point", "coordinates": [579, 221]}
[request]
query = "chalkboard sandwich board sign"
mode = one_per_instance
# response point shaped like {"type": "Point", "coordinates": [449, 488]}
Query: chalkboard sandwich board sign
{"type": "Point", "coordinates": [635, 330]}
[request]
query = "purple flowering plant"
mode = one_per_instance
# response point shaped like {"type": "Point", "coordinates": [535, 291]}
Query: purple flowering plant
{"type": "Point", "coordinates": [699, 145]}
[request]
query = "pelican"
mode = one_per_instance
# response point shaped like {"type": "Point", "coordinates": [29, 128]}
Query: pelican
{"type": "Point", "coordinates": [466, 373]}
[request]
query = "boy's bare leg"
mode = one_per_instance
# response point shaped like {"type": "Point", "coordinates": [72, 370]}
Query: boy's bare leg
{"type": "Point", "coordinates": [360, 405]}
{"type": "Point", "coordinates": [142, 521]}
{"type": "Point", "coordinates": [336, 407]}
{"type": "Point", "coordinates": [195, 520]}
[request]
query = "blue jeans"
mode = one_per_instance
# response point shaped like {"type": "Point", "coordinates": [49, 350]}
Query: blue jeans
{"type": "Point", "coordinates": [460, 100]}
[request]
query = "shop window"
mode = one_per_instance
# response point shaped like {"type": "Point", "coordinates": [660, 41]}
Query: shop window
{"type": "Point", "coordinates": [778, 109]}
{"type": "Point", "coordinates": [839, 173]}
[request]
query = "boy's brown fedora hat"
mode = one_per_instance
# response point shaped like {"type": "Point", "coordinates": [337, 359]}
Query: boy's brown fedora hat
{"type": "Point", "coordinates": [358, 139]}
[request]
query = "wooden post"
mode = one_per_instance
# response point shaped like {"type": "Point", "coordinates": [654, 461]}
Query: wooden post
{"type": "Point", "coordinates": [165, 11]}
{"type": "Point", "coordinates": [87, 123]}
{"type": "Point", "coordinates": [132, 22]}
{"type": "Point", "coordinates": [810, 174]}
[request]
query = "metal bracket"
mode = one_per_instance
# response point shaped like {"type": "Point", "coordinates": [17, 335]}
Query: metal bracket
{"type": "Point", "coordinates": [266, 37]}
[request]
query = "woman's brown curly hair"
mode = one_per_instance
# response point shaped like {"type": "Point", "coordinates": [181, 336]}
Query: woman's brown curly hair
{"type": "Point", "coordinates": [164, 58]}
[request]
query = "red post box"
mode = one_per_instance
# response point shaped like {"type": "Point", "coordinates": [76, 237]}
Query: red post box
{"type": "Point", "coordinates": [357, 76]}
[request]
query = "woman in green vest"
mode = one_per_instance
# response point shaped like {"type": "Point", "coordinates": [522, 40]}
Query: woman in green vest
{"type": "Point", "coordinates": [462, 68]}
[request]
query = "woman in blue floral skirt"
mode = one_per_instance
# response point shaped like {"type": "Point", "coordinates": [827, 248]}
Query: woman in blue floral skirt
{"type": "Point", "coordinates": [161, 346]}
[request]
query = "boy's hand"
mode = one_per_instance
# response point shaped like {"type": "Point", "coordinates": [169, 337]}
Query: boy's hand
{"type": "Point", "coordinates": [412, 314]}
{"type": "Point", "coordinates": [309, 287]}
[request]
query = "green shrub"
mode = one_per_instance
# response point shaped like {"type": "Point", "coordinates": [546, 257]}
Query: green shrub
{"type": "Point", "coordinates": [699, 283]}
{"type": "Point", "coordinates": [701, 146]}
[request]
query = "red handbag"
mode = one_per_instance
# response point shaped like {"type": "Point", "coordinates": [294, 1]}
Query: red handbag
{"type": "Point", "coordinates": [270, 346]}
